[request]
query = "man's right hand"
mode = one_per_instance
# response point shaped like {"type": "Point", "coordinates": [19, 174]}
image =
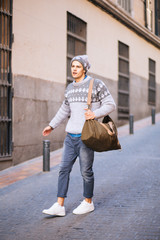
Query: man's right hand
{"type": "Point", "coordinates": [47, 131]}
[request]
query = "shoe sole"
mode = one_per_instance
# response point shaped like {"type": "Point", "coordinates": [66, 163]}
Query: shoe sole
{"type": "Point", "coordinates": [83, 213]}
{"type": "Point", "coordinates": [60, 215]}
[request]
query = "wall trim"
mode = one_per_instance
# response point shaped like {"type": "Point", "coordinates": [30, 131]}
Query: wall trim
{"type": "Point", "coordinates": [127, 20]}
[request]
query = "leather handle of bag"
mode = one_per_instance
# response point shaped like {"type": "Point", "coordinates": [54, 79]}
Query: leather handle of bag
{"type": "Point", "coordinates": [108, 130]}
{"type": "Point", "coordinates": [90, 93]}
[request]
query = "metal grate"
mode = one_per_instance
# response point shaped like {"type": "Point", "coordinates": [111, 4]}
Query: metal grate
{"type": "Point", "coordinates": [5, 79]}
{"type": "Point", "coordinates": [123, 81]}
{"type": "Point", "coordinates": [76, 40]}
{"type": "Point", "coordinates": [152, 83]}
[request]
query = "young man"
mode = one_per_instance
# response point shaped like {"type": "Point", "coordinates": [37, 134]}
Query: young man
{"type": "Point", "coordinates": [75, 106]}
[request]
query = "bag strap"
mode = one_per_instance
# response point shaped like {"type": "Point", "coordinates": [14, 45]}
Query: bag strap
{"type": "Point", "coordinates": [90, 93]}
{"type": "Point", "coordinates": [111, 133]}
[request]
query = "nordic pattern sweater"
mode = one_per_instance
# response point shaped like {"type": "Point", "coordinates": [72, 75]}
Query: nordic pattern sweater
{"type": "Point", "coordinates": [75, 102]}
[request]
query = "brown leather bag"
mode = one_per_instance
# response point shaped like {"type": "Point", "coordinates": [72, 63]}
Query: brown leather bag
{"type": "Point", "coordinates": [99, 136]}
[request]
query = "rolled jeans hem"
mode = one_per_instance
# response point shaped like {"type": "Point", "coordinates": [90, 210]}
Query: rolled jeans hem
{"type": "Point", "coordinates": [60, 196]}
{"type": "Point", "coordinates": [85, 196]}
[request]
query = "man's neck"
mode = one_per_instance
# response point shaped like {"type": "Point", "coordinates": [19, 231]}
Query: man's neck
{"type": "Point", "coordinates": [79, 79]}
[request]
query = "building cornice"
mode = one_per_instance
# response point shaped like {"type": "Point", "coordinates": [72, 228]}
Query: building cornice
{"type": "Point", "coordinates": [127, 20]}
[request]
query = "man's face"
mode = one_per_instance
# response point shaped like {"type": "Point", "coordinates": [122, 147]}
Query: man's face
{"type": "Point", "coordinates": [77, 70]}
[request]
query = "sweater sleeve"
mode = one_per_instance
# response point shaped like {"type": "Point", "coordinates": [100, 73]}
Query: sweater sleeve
{"type": "Point", "coordinates": [61, 115]}
{"type": "Point", "coordinates": [107, 104]}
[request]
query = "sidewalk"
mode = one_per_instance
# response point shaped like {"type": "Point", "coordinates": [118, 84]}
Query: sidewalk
{"type": "Point", "coordinates": [34, 166]}
{"type": "Point", "coordinates": [126, 195]}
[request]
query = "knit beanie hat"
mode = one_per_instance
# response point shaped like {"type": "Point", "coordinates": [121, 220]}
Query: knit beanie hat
{"type": "Point", "coordinates": [83, 59]}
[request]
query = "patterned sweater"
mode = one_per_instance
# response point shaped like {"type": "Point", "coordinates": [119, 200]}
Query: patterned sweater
{"type": "Point", "coordinates": [75, 103]}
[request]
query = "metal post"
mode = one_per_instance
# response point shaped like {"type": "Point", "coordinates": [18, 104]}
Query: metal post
{"type": "Point", "coordinates": [46, 155]}
{"type": "Point", "coordinates": [131, 121]}
{"type": "Point", "coordinates": [153, 112]}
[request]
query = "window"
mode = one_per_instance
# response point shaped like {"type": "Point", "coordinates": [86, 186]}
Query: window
{"type": "Point", "coordinates": [125, 4]}
{"type": "Point", "coordinates": [123, 81]}
{"type": "Point", "coordinates": [157, 17]}
{"type": "Point", "coordinates": [152, 83]}
{"type": "Point", "coordinates": [148, 15]}
{"type": "Point", "coordinates": [76, 40]}
{"type": "Point", "coordinates": [5, 79]}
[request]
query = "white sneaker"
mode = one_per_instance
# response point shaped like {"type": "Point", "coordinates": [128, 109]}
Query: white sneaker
{"type": "Point", "coordinates": [84, 207]}
{"type": "Point", "coordinates": [56, 210]}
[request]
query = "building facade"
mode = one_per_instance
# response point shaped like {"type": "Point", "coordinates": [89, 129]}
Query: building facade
{"type": "Point", "coordinates": [37, 41]}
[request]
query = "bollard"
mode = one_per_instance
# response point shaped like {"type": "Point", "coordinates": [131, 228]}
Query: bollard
{"type": "Point", "coordinates": [46, 155]}
{"type": "Point", "coordinates": [153, 112]}
{"type": "Point", "coordinates": [131, 121]}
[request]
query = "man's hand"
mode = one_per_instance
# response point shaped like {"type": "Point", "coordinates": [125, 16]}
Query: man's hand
{"type": "Point", "coordinates": [89, 114]}
{"type": "Point", "coordinates": [47, 131]}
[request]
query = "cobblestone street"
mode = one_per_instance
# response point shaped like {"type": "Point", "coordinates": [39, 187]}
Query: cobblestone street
{"type": "Point", "coordinates": [127, 197]}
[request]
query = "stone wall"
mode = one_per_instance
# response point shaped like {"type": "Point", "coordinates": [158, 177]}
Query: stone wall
{"type": "Point", "coordinates": [35, 103]}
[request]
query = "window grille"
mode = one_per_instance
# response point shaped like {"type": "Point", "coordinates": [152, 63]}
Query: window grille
{"type": "Point", "coordinates": [123, 81]}
{"type": "Point", "coordinates": [157, 17]}
{"type": "Point", "coordinates": [152, 82]}
{"type": "Point", "coordinates": [76, 40]}
{"type": "Point", "coordinates": [125, 4]}
{"type": "Point", "coordinates": [5, 79]}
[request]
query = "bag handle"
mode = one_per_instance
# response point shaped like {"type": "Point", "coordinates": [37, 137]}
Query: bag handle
{"type": "Point", "coordinates": [111, 133]}
{"type": "Point", "coordinates": [90, 93]}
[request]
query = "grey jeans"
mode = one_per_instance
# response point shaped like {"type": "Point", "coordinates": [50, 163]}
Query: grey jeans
{"type": "Point", "coordinates": [73, 148]}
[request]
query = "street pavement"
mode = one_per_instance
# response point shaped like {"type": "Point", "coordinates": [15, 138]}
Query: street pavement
{"type": "Point", "coordinates": [126, 197]}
